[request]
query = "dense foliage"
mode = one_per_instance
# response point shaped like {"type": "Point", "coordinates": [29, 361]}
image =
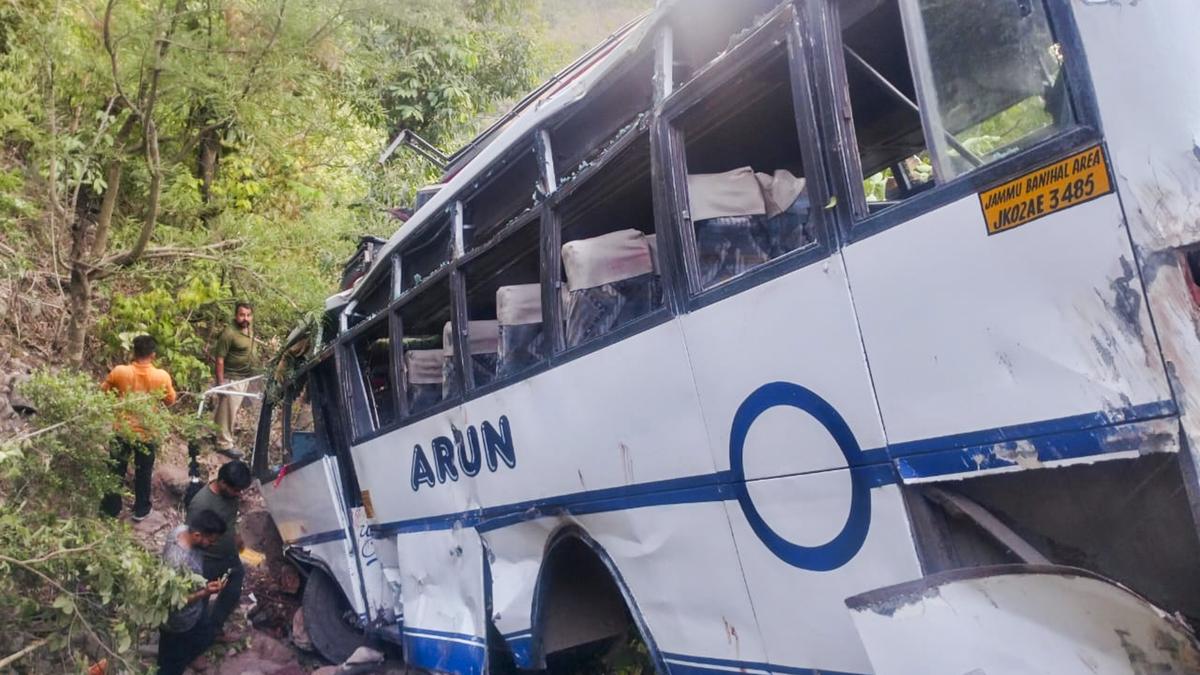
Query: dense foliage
{"type": "Point", "coordinates": [68, 576]}
{"type": "Point", "coordinates": [158, 145]}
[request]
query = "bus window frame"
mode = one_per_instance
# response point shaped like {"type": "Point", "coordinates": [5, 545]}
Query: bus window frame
{"type": "Point", "coordinates": [552, 253]}
{"type": "Point", "coordinates": [446, 274]}
{"type": "Point", "coordinates": [354, 386]}
{"type": "Point", "coordinates": [497, 172]}
{"type": "Point", "coordinates": [463, 264]}
{"type": "Point", "coordinates": [780, 30]}
{"type": "Point", "coordinates": [823, 31]}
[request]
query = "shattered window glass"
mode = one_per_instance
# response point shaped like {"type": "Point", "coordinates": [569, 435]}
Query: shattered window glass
{"type": "Point", "coordinates": [992, 79]}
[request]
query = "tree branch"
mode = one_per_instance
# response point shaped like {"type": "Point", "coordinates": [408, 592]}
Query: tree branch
{"type": "Point", "coordinates": [110, 47]}
{"type": "Point", "coordinates": [150, 135]}
{"type": "Point", "coordinates": [78, 614]}
{"type": "Point", "coordinates": [111, 264]}
{"type": "Point", "coordinates": [13, 658]}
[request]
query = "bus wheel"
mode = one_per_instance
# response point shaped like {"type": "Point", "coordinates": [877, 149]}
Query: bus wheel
{"type": "Point", "coordinates": [329, 619]}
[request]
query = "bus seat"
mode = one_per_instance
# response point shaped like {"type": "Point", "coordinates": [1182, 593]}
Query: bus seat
{"type": "Point", "coordinates": [743, 219]}
{"type": "Point", "coordinates": [482, 340]}
{"type": "Point", "coordinates": [788, 208]}
{"type": "Point", "coordinates": [611, 281]}
{"type": "Point", "coordinates": [519, 315]}
{"type": "Point", "coordinates": [423, 378]}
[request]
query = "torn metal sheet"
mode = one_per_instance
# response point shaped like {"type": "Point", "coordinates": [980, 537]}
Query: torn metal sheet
{"type": "Point", "coordinates": [1020, 620]}
{"type": "Point", "coordinates": [1157, 170]}
{"type": "Point", "coordinates": [1051, 450]}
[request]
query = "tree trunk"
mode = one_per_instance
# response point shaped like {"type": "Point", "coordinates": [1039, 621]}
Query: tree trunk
{"type": "Point", "coordinates": [79, 304]}
{"type": "Point", "coordinates": [79, 287]}
{"type": "Point", "coordinates": [210, 155]}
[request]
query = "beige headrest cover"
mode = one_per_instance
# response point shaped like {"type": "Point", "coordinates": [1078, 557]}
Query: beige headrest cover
{"type": "Point", "coordinates": [482, 336]}
{"type": "Point", "coordinates": [717, 195]}
{"type": "Point", "coordinates": [423, 366]}
{"type": "Point", "coordinates": [611, 257]}
{"type": "Point", "coordinates": [741, 192]}
{"type": "Point", "coordinates": [519, 305]}
{"type": "Point", "coordinates": [780, 190]}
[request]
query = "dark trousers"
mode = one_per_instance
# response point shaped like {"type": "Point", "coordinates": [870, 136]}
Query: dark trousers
{"type": "Point", "coordinates": [143, 469]}
{"type": "Point", "coordinates": [177, 650]}
{"type": "Point", "coordinates": [227, 599]}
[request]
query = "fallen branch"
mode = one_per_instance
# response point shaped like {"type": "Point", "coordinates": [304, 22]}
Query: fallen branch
{"type": "Point", "coordinates": [13, 658]}
{"type": "Point", "coordinates": [109, 266]}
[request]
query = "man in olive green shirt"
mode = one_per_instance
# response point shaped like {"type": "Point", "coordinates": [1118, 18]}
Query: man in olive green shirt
{"type": "Point", "coordinates": [234, 361]}
{"type": "Point", "coordinates": [221, 557]}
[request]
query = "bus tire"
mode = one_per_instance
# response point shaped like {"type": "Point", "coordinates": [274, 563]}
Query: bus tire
{"type": "Point", "coordinates": [328, 618]}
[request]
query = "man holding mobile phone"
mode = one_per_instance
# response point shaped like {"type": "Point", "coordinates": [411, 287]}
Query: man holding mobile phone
{"type": "Point", "coordinates": [186, 634]}
{"type": "Point", "coordinates": [221, 497]}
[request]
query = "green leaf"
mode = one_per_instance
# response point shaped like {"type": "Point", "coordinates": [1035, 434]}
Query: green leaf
{"type": "Point", "coordinates": [65, 603]}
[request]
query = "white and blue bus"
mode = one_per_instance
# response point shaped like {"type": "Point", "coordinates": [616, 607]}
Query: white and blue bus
{"type": "Point", "coordinates": [822, 336]}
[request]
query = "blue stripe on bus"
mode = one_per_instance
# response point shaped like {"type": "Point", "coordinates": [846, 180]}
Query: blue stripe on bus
{"type": "Point", "coordinates": [1075, 444]}
{"type": "Point", "coordinates": [703, 665]}
{"type": "Point", "coordinates": [522, 649]}
{"type": "Point", "coordinates": [1062, 438]}
{"type": "Point", "coordinates": [461, 653]}
{"type": "Point", "coordinates": [690, 489]}
{"type": "Point", "coordinates": [1018, 432]}
{"type": "Point", "coordinates": [443, 651]}
{"type": "Point", "coordinates": [318, 538]}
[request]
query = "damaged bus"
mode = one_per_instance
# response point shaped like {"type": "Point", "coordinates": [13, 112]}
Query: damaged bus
{"type": "Point", "coordinates": [823, 336]}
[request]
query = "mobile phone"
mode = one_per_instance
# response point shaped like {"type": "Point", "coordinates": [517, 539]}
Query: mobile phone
{"type": "Point", "coordinates": [225, 577]}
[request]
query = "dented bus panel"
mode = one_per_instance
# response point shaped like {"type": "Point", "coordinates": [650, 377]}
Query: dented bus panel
{"type": "Point", "coordinates": [771, 342]}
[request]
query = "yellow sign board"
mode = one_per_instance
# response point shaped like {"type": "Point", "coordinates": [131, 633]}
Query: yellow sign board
{"type": "Point", "coordinates": [1079, 178]}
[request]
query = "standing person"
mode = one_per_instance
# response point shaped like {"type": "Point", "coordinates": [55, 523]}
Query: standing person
{"type": "Point", "coordinates": [234, 361]}
{"type": "Point", "coordinates": [187, 633]}
{"type": "Point", "coordinates": [139, 376]}
{"type": "Point", "coordinates": [221, 498]}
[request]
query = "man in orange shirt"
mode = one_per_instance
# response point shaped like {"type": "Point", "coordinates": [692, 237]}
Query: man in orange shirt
{"type": "Point", "coordinates": [139, 376]}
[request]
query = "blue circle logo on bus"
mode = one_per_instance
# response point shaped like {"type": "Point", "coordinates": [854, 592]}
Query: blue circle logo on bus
{"type": "Point", "coordinates": [846, 544]}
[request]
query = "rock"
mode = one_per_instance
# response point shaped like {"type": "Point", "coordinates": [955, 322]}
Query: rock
{"type": "Point", "coordinates": [326, 670]}
{"type": "Point", "coordinates": [259, 533]}
{"type": "Point", "coordinates": [171, 480]}
{"type": "Point", "coordinates": [246, 663]}
{"type": "Point", "coordinates": [289, 579]}
{"type": "Point", "coordinates": [270, 649]}
{"type": "Point", "coordinates": [364, 655]}
{"type": "Point", "coordinates": [152, 523]}
{"type": "Point", "coordinates": [300, 632]}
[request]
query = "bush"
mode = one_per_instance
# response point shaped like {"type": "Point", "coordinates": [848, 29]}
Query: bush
{"type": "Point", "coordinates": [67, 575]}
{"type": "Point", "coordinates": [171, 316]}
